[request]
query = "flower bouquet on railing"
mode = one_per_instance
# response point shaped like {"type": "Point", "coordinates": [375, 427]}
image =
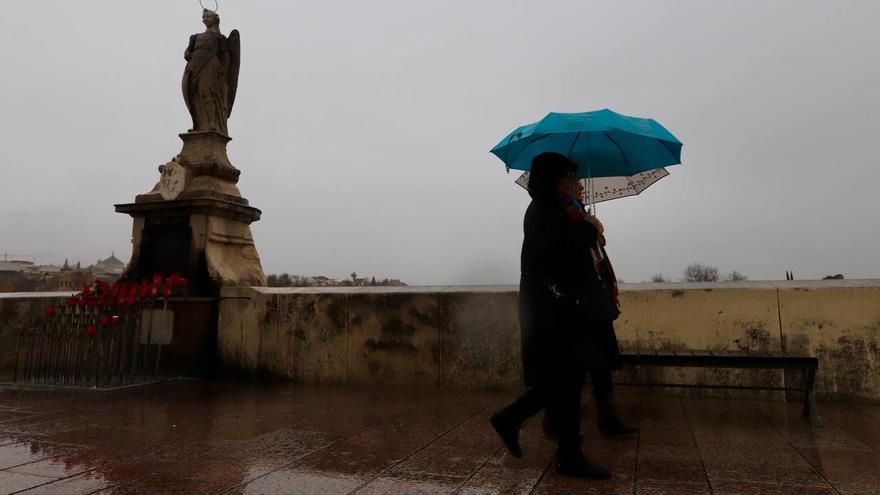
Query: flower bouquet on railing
{"type": "Point", "coordinates": [101, 337]}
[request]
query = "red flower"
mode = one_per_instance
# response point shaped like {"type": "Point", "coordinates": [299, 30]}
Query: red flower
{"type": "Point", "coordinates": [72, 301]}
{"type": "Point", "coordinates": [122, 293]}
{"type": "Point", "coordinates": [145, 289]}
{"type": "Point", "coordinates": [105, 319]}
{"type": "Point", "coordinates": [115, 319]}
{"type": "Point", "coordinates": [90, 329]}
{"type": "Point", "coordinates": [87, 290]}
{"type": "Point", "coordinates": [132, 294]}
{"type": "Point", "coordinates": [50, 311]}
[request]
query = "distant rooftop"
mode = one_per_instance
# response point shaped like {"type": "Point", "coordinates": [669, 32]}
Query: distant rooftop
{"type": "Point", "coordinates": [111, 265]}
{"type": "Point", "coordinates": [10, 266]}
{"type": "Point", "coordinates": [112, 260]}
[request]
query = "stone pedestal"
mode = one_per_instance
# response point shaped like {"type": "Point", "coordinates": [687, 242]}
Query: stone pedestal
{"type": "Point", "coordinates": [195, 221]}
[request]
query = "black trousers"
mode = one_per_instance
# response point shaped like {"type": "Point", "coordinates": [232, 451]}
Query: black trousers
{"type": "Point", "coordinates": [601, 384]}
{"type": "Point", "coordinates": [562, 400]}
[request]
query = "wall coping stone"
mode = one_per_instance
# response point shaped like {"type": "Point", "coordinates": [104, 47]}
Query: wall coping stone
{"type": "Point", "coordinates": [433, 289]}
{"type": "Point", "coordinates": [757, 284]}
{"type": "Point", "coordinates": [34, 295]}
{"type": "Point", "coordinates": [418, 289]}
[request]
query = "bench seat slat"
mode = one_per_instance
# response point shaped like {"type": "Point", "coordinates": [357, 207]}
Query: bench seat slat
{"type": "Point", "coordinates": [726, 359]}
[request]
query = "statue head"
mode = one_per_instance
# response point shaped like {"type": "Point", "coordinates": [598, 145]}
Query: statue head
{"type": "Point", "coordinates": [211, 19]}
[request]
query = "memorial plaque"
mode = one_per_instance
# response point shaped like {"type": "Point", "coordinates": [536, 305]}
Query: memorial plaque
{"type": "Point", "coordinates": [157, 327]}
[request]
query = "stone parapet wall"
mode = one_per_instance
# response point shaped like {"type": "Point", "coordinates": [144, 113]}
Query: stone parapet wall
{"type": "Point", "coordinates": [426, 335]}
{"type": "Point", "coordinates": [469, 336]}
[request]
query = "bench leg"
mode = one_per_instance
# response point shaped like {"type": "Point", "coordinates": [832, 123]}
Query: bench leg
{"type": "Point", "coordinates": [811, 410]}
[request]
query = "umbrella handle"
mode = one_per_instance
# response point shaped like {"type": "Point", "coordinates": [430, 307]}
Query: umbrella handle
{"type": "Point", "coordinates": [591, 183]}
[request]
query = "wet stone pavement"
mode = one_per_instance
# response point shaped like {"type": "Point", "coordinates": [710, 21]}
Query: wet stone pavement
{"type": "Point", "coordinates": [233, 437]}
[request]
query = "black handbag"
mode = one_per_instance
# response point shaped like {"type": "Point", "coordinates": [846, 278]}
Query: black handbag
{"type": "Point", "coordinates": [587, 303]}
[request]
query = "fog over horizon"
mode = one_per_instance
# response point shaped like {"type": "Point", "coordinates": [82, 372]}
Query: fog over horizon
{"type": "Point", "coordinates": [362, 130]}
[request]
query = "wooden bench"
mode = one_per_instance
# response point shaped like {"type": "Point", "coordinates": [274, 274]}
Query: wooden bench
{"type": "Point", "coordinates": [732, 359]}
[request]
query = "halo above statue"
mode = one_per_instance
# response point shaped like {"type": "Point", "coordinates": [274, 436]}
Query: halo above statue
{"type": "Point", "coordinates": [216, 6]}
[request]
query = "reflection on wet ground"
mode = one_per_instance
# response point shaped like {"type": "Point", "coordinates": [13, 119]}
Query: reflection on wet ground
{"type": "Point", "coordinates": [233, 437]}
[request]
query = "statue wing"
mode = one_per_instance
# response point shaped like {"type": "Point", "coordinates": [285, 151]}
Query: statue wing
{"type": "Point", "coordinates": [234, 64]}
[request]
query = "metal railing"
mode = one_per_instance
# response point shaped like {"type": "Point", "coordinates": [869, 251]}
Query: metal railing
{"type": "Point", "coordinates": [106, 336]}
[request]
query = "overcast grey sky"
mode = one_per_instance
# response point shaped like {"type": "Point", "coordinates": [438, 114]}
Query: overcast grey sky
{"type": "Point", "coordinates": [362, 129]}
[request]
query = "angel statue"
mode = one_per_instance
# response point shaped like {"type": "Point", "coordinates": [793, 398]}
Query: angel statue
{"type": "Point", "coordinates": [211, 75]}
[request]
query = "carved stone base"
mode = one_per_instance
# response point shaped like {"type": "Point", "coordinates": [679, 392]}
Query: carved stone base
{"type": "Point", "coordinates": [195, 221]}
{"type": "Point", "coordinates": [206, 238]}
{"type": "Point", "coordinates": [207, 170]}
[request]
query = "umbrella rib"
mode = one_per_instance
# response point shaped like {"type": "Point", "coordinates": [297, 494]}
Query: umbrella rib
{"type": "Point", "coordinates": [571, 148]}
{"type": "Point", "coordinates": [625, 160]}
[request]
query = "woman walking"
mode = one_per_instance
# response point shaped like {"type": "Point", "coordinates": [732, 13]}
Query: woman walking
{"type": "Point", "coordinates": [567, 308]}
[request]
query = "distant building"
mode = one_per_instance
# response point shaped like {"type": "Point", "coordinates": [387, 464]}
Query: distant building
{"type": "Point", "coordinates": [25, 276]}
{"type": "Point", "coordinates": [11, 275]}
{"type": "Point", "coordinates": [322, 281]}
{"type": "Point", "coordinates": [287, 280]}
{"type": "Point", "coordinates": [72, 280]}
{"type": "Point", "coordinates": [12, 266]}
{"type": "Point", "coordinates": [111, 267]}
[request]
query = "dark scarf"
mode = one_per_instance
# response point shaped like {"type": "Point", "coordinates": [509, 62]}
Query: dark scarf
{"type": "Point", "coordinates": [576, 212]}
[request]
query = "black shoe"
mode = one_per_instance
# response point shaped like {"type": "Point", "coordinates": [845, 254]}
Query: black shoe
{"type": "Point", "coordinates": [578, 466]}
{"type": "Point", "coordinates": [609, 421]}
{"type": "Point", "coordinates": [508, 430]}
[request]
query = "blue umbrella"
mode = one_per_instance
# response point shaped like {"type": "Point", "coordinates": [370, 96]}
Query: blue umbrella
{"type": "Point", "coordinates": [603, 143]}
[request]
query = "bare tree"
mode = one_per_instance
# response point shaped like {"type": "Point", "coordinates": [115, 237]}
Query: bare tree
{"type": "Point", "coordinates": [659, 278]}
{"type": "Point", "coordinates": [736, 276]}
{"type": "Point", "coordinates": [698, 272]}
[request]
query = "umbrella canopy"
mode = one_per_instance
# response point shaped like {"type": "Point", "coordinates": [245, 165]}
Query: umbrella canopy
{"type": "Point", "coordinates": [603, 143]}
{"type": "Point", "coordinates": [608, 188]}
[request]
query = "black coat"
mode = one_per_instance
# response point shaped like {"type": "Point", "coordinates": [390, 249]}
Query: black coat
{"type": "Point", "coordinates": [558, 342]}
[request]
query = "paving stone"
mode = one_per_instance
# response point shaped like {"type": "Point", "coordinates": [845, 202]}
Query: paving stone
{"type": "Point", "coordinates": [15, 482]}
